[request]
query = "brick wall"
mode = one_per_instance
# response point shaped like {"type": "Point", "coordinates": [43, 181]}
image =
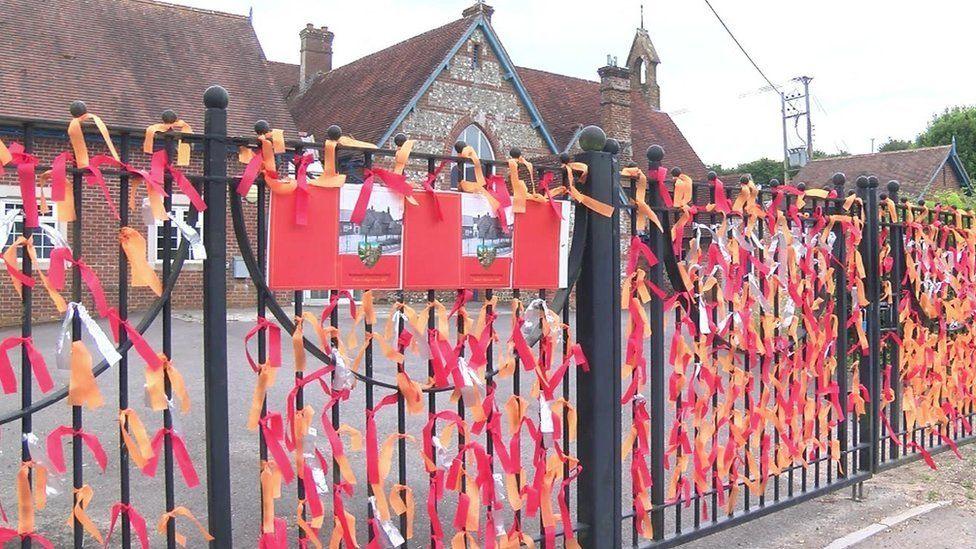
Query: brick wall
{"type": "Point", "coordinates": [100, 247]}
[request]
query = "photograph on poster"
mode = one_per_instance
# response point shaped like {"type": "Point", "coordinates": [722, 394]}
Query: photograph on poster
{"type": "Point", "coordinates": [481, 233]}
{"type": "Point", "coordinates": [381, 231]}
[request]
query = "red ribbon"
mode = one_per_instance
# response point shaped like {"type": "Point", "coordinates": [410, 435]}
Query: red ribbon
{"type": "Point", "coordinates": [394, 181]}
{"type": "Point", "coordinates": [301, 189]}
{"type": "Point", "coordinates": [721, 200]}
{"type": "Point", "coordinates": [334, 302]}
{"type": "Point", "coordinates": [274, 343]}
{"type": "Point", "coordinates": [7, 378]}
{"type": "Point", "coordinates": [362, 201]}
{"type": "Point", "coordinates": [26, 174]}
{"type": "Point", "coordinates": [179, 452]}
{"type": "Point", "coordinates": [55, 451]}
{"type": "Point", "coordinates": [277, 539]}
{"type": "Point", "coordinates": [544, 182]}
{"type": "Point", "coordinates": [139, 343]}
{"type": "Point", "coordinates": [135, 519]}
{"type": "Point", "coordinates": [8, 534]}
{"type": "Point", "coordinates": [429, 188]}
{"type": "Point", "coordinates": [661, 176]}
{"type": "Point", "coordinates": [273, 428]}
{"type": "Point", "coordinates": [160, 162]}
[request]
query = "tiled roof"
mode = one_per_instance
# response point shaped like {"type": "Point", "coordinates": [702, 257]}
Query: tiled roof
{"type": "Point", "coordinates": [567, 103]}
{"type": "Point", "coordinates": [366, 96]}
{"type": "Point", "coordinates": [131, 59]}
{"type": "Point", "coordinates": [285, 76]}
{"type": "Point", "coordinates": [912, 168]}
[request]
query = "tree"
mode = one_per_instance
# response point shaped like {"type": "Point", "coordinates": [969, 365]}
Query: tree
{"type": "Point", "coordinates": [893, 144]}
{"type": "Point", "coordinates": [954, 198]}
{"type": "Point", "coordinates": [958, 123]}
{"type": "Point", "coordinates": [761, 170]}
{"type": "Point", "coordinates": [821, 154]}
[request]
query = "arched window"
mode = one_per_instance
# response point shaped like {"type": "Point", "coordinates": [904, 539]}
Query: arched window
{"type": "Point", "coordinates": [638, 69]}
{"type": "Point", "coordinates": [473, 136]}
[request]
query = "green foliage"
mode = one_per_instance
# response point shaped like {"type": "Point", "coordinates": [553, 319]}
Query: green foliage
{"type": "Point", "coordinates": [958, 122]}
{"type": "Point", "coordinates": [817, 155]}
{"type": "Point", "coordinates": [761, 170]}
{"type": "Point", "coordinates": [893, 144]}
{"type": "Point", "coordinates": [954, 198]}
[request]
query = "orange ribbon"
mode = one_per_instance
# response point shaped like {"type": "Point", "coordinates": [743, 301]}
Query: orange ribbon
{"type": "Point", "coordinates": [30, 500]}
{"type": "Point", "coordinates": [134, 246]}
{"type": "Point", "coordinates": [330, 177]}
{"type": "Point", "coordinates": [82, 387]}
{"type": "Point", "coordinates": [19, 279]}
{"type": "Point", "coordinates": [83, 497]}
{"type": "Point", "coordinates": [156, 386]}
{"type": "Point", "coordinates": [76, 136]}
{"type": "Point", "coordinates": [137, 442]}
{"type": "Point", "coordinates": [266, 378]}
{"type": "Point", "coordinates": [644, 212]}
{"type": "Point", "coordinates": [520, 192]}
{"type": "Point", "coordinates": [593, 204]}
{"type": "Point", "coordinates": [182, 149]}
{"type": "Point", "coordinates": [184, 512]}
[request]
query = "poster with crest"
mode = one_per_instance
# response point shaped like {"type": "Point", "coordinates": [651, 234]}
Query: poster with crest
{"type": "Point", "coordinates": [370, 250]}
{"type": "Point", "coordinates": [486, 244]}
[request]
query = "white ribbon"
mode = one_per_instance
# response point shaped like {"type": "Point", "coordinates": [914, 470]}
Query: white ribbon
{"type": "Point", "coordinates": [105, 346]}
{"type": "Point", "coordinates": [344, 378]}
{"type": "Point", "coordinates": [190, 235]}
{"type": "Point", "coordinates": [441, 458]}
{"type": "Point", "coordinates": [391, 536]}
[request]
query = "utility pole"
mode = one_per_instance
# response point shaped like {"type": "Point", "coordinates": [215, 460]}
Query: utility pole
{"type": "Point", "coordinates": [791, 111]}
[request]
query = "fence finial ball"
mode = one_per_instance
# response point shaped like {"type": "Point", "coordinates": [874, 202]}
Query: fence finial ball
{"type": "Point", "coordinates": [399, 139]}
{"type": "Point", "coordinates": [655, 153]}
{"type": "Point", "coordinates": [893, 187]}
{"type": "Point", "coordinates": [801, 186]}
{"type": "Point", "coordinates": [216, 97]}
{"type": "Point", "coordinates": [78, 108]}
{"type": "Point", "coordinates": [168, 116]}
{"type": "Point", "coordinates": [862, 182]}
{"type": "Point", "coordinates": [839, 179]}
{"type": "Point", "coordinates": [744, 179]}
{"type": "Point", "coordinates": [333, 133]}
{"type": "Point", "coordinates": [773, 183]}
{"type": "Point", "coordinates": [564, 158]}
{"type": "Point", "coordinates": [262, 127]}
{"type": "Point", "coordinates": [873, 182]}
{"type": "Point", "coordinates": [459, 146]}
{"type": "Point", "coordinates": [515, 152]}
{"type": "Point", "coordinates": [592, 138]}
{"type": "Point", "coordinates": [612, 146]}
{"type": "Point", "coordinates": [712, 176]}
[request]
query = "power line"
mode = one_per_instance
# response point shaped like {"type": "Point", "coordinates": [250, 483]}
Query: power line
{"type": "Point", "coordinates": [743, 49]}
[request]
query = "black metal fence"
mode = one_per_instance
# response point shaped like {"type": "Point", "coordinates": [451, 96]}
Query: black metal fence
{"type": "Point", "coordinates": [771, 337]}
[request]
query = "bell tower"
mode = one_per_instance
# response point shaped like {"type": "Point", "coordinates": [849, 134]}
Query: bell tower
{"type": "Point", "coordinates": [642, 62]}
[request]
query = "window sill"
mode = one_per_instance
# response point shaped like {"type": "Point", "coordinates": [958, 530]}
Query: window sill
{"type": "Point", "coordinates": [190, 265]}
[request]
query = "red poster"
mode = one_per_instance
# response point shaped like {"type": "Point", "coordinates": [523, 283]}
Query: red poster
{"type": "Point", "coordinates": [486, 248]}
{"type": "Point", "coordinates": [432, 245]}
{"type": "Point", "coordinates": [541, 245]}
{"type": "Point", "coordinates": [369, 252]}
{"type": "Point", "coordinates": [304, 257]}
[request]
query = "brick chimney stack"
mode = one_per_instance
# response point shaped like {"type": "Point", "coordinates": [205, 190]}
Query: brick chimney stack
{"type": "Point", "coordinates": [615, 116]}
{"type": "Point", "coordinates": [316, 54]}
{"type": "Point", "coordinates": [479, 7]}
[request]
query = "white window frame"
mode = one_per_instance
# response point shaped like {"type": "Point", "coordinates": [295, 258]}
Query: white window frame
{"type": "Point", "coordinates": [181, 204]}
{"type": "Point", "coordinates": [476, 138]}
{"type": "Point", "coordinates": [10, 194]}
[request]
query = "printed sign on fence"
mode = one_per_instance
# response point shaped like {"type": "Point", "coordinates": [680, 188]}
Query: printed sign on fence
{"type": "Point", "coordinates": [432, 242]}
{"type": "Point", "coordinates": [369, 251]}
{"type": "Point", "coordinates": [541, 246]}
{"type": "Point", "coordinates": [486, 246]}
{"type": "Point", "coordinates": [304, 257]}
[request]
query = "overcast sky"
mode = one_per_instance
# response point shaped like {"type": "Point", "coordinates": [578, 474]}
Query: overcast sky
{"type": "Point", "coordinates": [881, 68]}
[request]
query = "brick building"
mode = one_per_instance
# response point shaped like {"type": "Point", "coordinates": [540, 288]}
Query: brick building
{"type": "Point", "coordinates": [920, 172]}
{"type": "Point", "coordinates": [453, 82]}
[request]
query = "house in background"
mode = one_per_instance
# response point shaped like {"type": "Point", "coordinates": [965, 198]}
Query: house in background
{"type": "Point", "coordinates": [457, 81]}
{"type": "Point", "coordinates": [919, 172]}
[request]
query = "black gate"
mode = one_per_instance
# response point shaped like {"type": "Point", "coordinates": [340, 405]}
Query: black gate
{"type": "Point", "coordinates": [770, 344]}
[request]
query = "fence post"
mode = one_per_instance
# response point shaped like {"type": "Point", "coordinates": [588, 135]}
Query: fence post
{"type": "Point", "coordinates": [896, 243]}
{"type": "Point", "coordinates": [842, 312]}
{"type": "Point", "coordinates": [215, 191]}
{"type": "Point", "coordinates": [655, 154]}
{"type": "Point", "coordinates": [870, 364]}
{"type": "Point", "coordinates": [598, 327]}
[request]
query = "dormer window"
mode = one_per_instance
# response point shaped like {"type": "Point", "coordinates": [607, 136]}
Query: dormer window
{"type": "Point", "coordinates": [476, 56]}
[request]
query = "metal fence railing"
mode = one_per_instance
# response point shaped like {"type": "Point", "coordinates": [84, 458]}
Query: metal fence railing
{"type": "Point", "coordinates": [719, 353]}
